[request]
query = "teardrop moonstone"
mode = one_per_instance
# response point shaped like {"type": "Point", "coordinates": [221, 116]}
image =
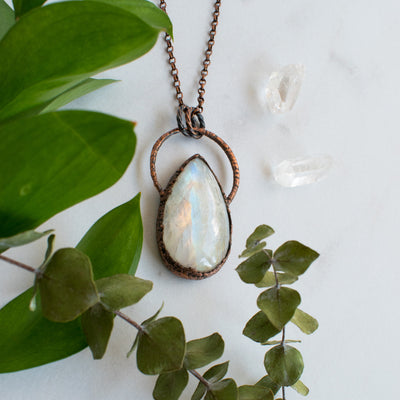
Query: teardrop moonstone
{"type": "Point", "coordinates": [196, 220]}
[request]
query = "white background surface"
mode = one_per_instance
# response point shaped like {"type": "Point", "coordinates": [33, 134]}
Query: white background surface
{"type": "Point", "coordinates": [348, 108]}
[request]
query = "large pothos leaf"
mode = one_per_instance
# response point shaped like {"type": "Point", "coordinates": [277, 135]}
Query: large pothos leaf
{"type": "Point", "coordinates": [52, 161]}
{"type": "Point", "coordinates": [66, 43]}
{"type": "Point", "coordinates": [27, 339]}
{"type": "Point", "coordinates": [7, 18]}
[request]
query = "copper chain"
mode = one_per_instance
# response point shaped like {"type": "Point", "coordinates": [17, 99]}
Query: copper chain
{"type": "Point", "coordinates": [206, 63]}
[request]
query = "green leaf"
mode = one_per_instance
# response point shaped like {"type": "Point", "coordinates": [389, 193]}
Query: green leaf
{"type": "Point", "coordinates": [161, 347]}
{"type": "Point", "coordinates": [217, 372]}
{"type": "Point", "coordinates": [23, 6]}
{"type": "Point", "coordinates": [67, 289]}
{"type": "Point", "coordinates": [279, 304]}
{"type": "Point", "coordinates": [123, 290]}
{"type": "Point", "coordinates": [146, 11]}
{"type": "Point", "coordinates": [169, 386]}
{"type": "Point", "coordinates": [268, 383]}
{"type": "Point", "coordinates": [259, 328]}
{"type": "Point", "coordinates": [82, 88]}
{"type": "Point", "coordinates": [97, 324]}
{"type": "Point", "coordinates": [305, 322]}
{"type": "Point", "coordinates": [284, 365]}
{"type": "Point", "coordinates": [253, 250]}
{"type": "Point", "coordinates": [57, 160]}
{"type": "Point", "coordinates": [27, 339]}
{"type": "Point", "coordinates": [269, 279]}
{"type": "Point", "coordinates": [248, 392]}
{"type": "Point", "coordinates": [154, 316]}
{"type": "Point", "coordinates": [77, 39]}
{"type": "Point", "coordinates": [261, 232]}
{"type": "Point", "coordinates": [7, 18]}
{"type": "Point", "coordinates": [199, 392]}
{"type": "Point", "coordinates": [224, 390]}
{"type": "Point", "coordinates": [254, 268]}
{"type": "Point", "coordinates": [201, 352]}
{"type": "Point", "coordinates": [301, 388]}
{"type": "Point", "coordinates": [21, 239]}
{"type": "Point", "coordinates": [275, 342]}
{"type": "Point", "coordinates": [294, 258]}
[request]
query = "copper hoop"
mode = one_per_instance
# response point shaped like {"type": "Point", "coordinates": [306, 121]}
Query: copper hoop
{"type": "Point", "coordinates": [227, 150]}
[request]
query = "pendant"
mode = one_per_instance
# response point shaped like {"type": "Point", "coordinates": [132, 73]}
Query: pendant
{"type": "Point", "coordinates": [194, 228]}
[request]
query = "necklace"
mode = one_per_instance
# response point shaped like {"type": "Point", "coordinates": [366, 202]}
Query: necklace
{"type": "Point", "coordinates": [194, 228]}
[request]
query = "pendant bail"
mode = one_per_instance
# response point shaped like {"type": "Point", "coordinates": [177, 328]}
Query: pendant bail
{"type": "Point", "coordinates": [190, 121]}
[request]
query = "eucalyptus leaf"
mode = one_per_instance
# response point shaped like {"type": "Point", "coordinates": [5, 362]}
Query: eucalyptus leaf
{"type": "Point", "coordinates": [161, 346]}
{"type": "Point", "coordinates": [223, 390]}
{"type": "Point", "coordinates": [217, 372]}
{"type": "Point", "coordinates": [27, 339]}
{"type": "Point", "coordinates": [284, 365]}
{"type": "Point", "coordinates": [201, 352]}
{"type": "Point", "coordinates": [77, 39]}
{"type": "Point", "coordinates": [170, 385]}
{"type": "Point", "coordinates": [269, 279]}
{"type": "Point", "coordinates": [82, 88]}
{"type": "Point", "coordinates": [259, 328]}
{"type": "Point", "coordinates": [305, 322]}
{"type": "Point", "coordinates": [301, 388]}
{"type": "Point", "coordinates": [97, 324]}
{"type": "Point", "coordinates": [23, 6]}
{"type": "Point", "coordinates": [275, 342]}
{"type": "Point", "coordinates": [261, 232]}
{"type": "Point", "coordinates": [199, 392]}
{"type": "Point", "coordinates": [154, 316]}
{"type": "Point", "coordinates": [7, 18]}
{"type": "Point", "coordinates": [279, 304]}
{"type": "Point", "coordinates": [254, 268]}
{"type": "Point", "coordinates": [294, 258]}
{"type": "Point", "coordinates": [268, 383]}
{"type": "Point", "coordinates": [21, 239]}
{"type": "Point", "coordinates": [57, 160]}
{"type": "Point", "coordinates": [123, 290]}
{"type": "Point", "coordinates": [67, 289]}
{"type": "Point", "coordinates": [253, 250]}
{"type": "Point", "coordinates": [255, 392]}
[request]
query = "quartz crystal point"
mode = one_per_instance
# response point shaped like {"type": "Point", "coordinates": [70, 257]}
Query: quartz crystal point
{"type": "Point", "coordinates": [196, 221]}
{"type": "Point", "coordinates": [302, 171]}
{"type": "Point", "coordinates": [283, 88]}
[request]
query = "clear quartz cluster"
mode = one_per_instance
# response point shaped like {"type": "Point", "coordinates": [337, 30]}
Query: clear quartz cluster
{"type": "Point", "coordinates": [196, 221]}
{"type": "Point", "coordinates": [302, 171]}
{"type": "Point", "coordinates": [283, 88]}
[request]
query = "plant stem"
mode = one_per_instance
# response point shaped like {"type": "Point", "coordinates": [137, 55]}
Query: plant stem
{"type": "Point", "coordinates": [18, 264]}
{"type": "Point", "coordinates": [283, 393]}
{"type": "Point", "coordinates": [200, 378]}
{"type": "Point", "coordinates": [129, 321]}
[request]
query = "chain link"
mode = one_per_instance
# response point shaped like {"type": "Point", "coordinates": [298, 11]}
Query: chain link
{"type": "Point", "coordinates": [206, 63]}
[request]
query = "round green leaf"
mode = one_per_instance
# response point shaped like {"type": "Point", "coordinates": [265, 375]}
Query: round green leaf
{"type": "Point", "coordinates": [261, 232]}
{"type": "Point", "coordinates": [294, 258]}
{"type": "Point", "coordinates": [260, 328]}
{"type": "Point", "coordinates": [223, 390]}
{"type": "Point", "coordinates": [268, 383]}
{"type": "Point", "coordinates": [67, 289]}
{"type": "Point", "coordinates": [248, 392]}
{"type": "Point", "coordinates": [254, 268]}
{"type": "Point", "coordinates": [284, 365]}
{"type": "Point", "coordinates": [279, 304]}
{"type": "Point", "coordinates": [123, 290]}
{"type": "Point", "coordinates": [169, 386]}
{"type": "Point", "coordinates": [97, 324]}
{"type": "Point", "coordinates": [201, 352]}
{"type": "Point", "coordinates": [161, 347]}
{"type": "Point", "coordinates": [305, 322]}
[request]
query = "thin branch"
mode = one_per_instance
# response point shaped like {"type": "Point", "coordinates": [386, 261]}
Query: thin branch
{"type": "Point", "coordinates": [200, 378]}
{"type": "Point", "coordinates": [283, 393]}
{"type": "Point", "coordinates": [129, 321]}
{"type": "Point", "coordinates": [18, 264]}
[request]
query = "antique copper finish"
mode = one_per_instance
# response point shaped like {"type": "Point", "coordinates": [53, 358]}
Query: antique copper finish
{"type": "Point", "coordinates": [170, 263]}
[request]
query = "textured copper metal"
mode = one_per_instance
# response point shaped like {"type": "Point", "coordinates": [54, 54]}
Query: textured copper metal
{"type": "Point", "coordinates": [170, 263]}
{"type": "Point", "coordinates": [206, 63]}
{"type": "Point", "coordinates": [224, 146]}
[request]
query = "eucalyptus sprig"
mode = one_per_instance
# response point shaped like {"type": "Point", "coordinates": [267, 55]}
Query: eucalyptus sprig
{"type": "Point", "coordinates": [275, 270]}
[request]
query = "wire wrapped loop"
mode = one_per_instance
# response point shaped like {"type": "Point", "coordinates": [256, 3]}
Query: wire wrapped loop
{"type": "Point", "coordinates": [190, 121]}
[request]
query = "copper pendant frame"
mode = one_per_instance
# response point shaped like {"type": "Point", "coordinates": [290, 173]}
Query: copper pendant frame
{"type": "Point", "coordinates": [170, 263]}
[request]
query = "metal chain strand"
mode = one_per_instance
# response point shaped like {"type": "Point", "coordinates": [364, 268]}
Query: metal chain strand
{"type": "Point", "coordinates": [206, 63]}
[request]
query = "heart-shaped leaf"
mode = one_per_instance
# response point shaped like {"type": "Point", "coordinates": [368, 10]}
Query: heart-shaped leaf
{"type": "Point", "coordinates": [161, 346]}
{"type": "Point", "coordinates": [223, 390]}
{"type": "Point", "coordinates": [294, 258]}
{"type": "Point", "coordinates": [97, 324]}
{"type": "Point", "coordinates": [21, 239]}
{"type": "Point", "coordinates": [305, 322]}
{"type": "Point", "coordinates": [279, 304]}
{"type": "Point", "coordinates": [259, 328]}
{"type": "Point", "coordinates": [7, 18]}
{"type": "Point", "coordinates": [254, 268]}
{"type": "Point", "coordinates": [67, 288]}
{"type": "Point", "coordinates": [201, 352]}
{"type": "Point", "coordinates": [123, 290]}
{"type": "Point", "coordinates": [284, 365]}
{"type": "Point", "coordinates": [169, 386]}
{"type": "Point", "coordinates": [27, 339]}
{"type": "Point", "coordinates": [248, 392]}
